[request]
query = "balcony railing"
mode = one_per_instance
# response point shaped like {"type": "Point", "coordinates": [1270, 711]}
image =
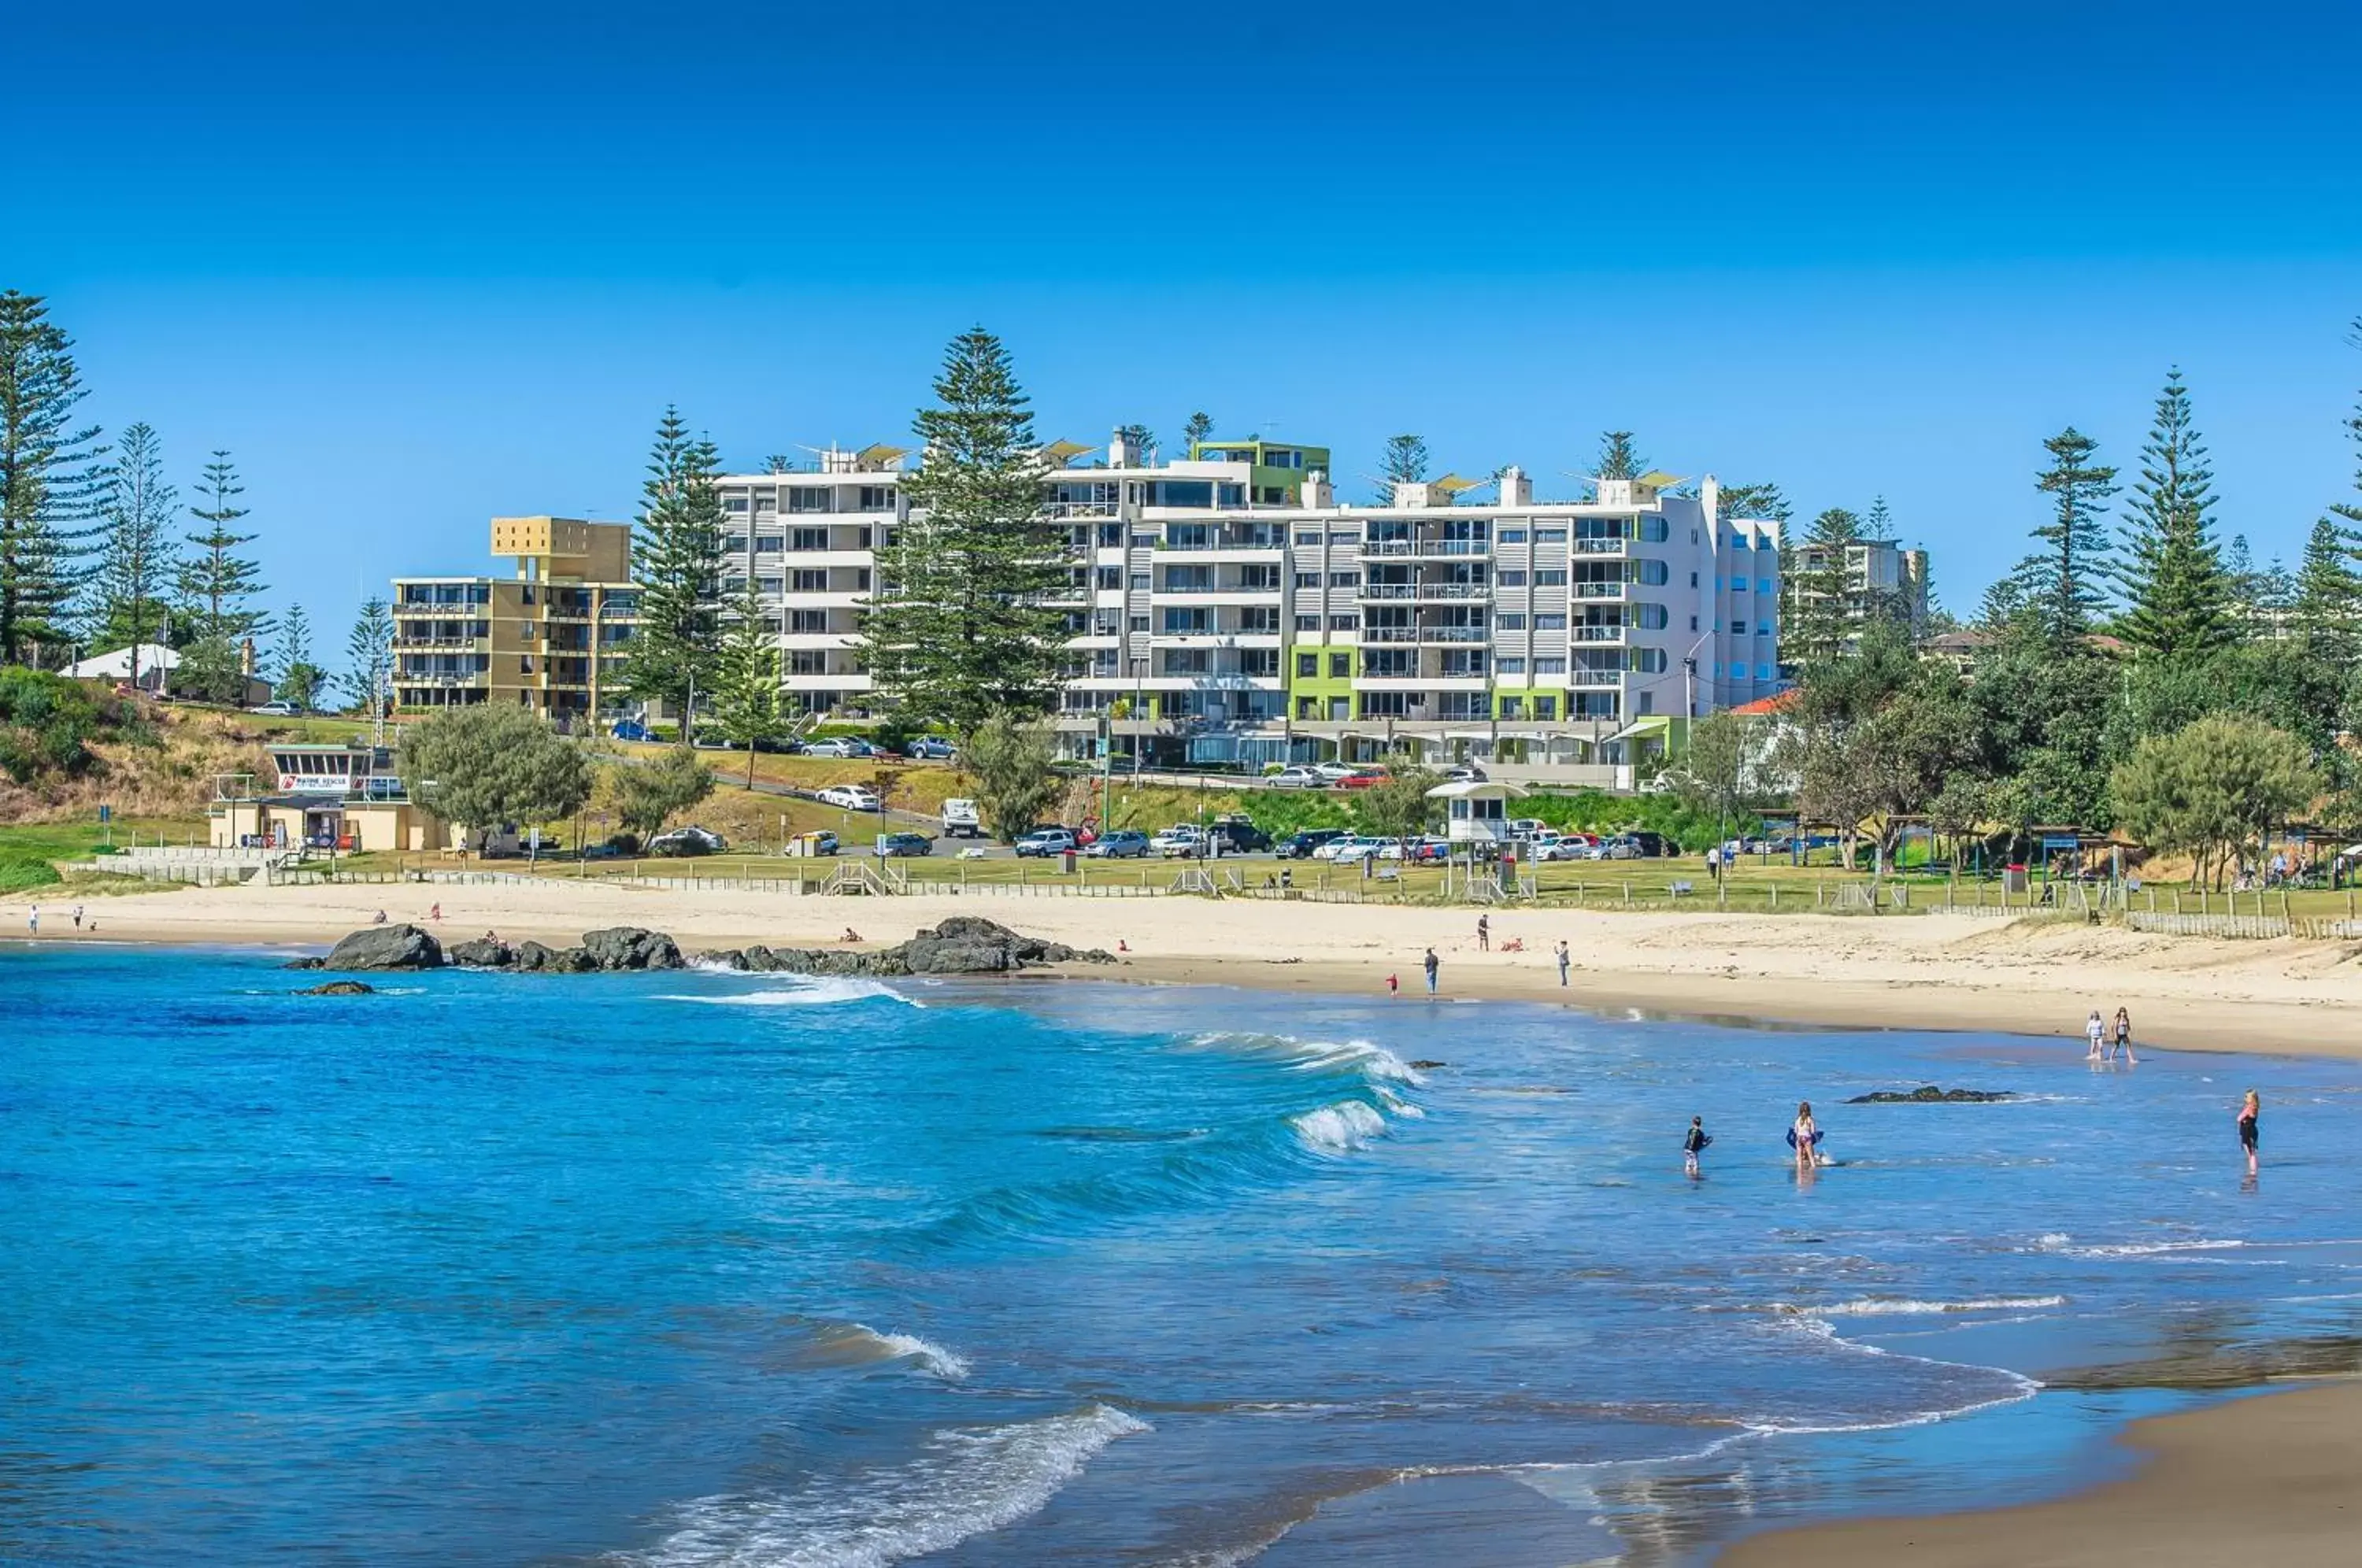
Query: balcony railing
{"type": "Point", "coordinates": [1432, 592]}
{"type": "Point", "coordinates": [1596, 634]}
{"type": "Point", "coordinates": [1594, 679]}
{"type": "Point", "coordinates": [1600, 547]}
{"type": "Point", "coordinates": [1601, 589]}
{"type": "Point", "coordinates": [436, 642]}
{"type": "Point", "coordinates": [1454, 634]}
{"type": "Point", "coordinates": [1426, 546]}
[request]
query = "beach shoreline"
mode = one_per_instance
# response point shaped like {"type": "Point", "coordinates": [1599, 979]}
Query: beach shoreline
{"type": "Point", "coordinates": [1932, 972]}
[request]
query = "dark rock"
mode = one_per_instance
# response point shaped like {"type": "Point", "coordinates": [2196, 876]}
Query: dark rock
{"type": "Point", "coordinates": [339, 989]}
{"type": "Point", "coordinates": [630, 947]}
{"type": "Point", "coordinates": [945, 955]}
{"type": "Point", "coordinates": [1423, 1066]}
{"type": "Point", "coordinates": [386, 947]}
{"type": "Point", "coordinates": [975, 928]}
{"type": "Point", "coordinates": [720, 958]}
{"type": "Point", "coordinates": [532, 957]}
{"type": "Point", "coordinates": [484, 953]}
{"type": "Point", "coordinates": [1928, 1094]}
{"type": "Point", "coordinates": [305, 964]}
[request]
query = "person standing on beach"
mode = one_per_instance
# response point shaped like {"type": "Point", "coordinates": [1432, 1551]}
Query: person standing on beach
{"type": "Point", "coordinates": [1433, 963]}
{"type": "Point", "coordinates": [1565, 962]}
{"type": "Point", "coordinates": [2125, 1037]}
{"type": "Point", "coordinates": [2251, 1111]}
{"type": "Point", "coordinates": [2096, 1032]}
{"type": "Point", "coordinates": [33, 922]}
{"type": "Point", "coordinates": [1806, 1136]}
{"type": "Point", "coordinates": [77, 917]}
{"type": "Point", "coordinates": [1483, 934]}
{"type": "Point", "coordinates": [1694, 1144]}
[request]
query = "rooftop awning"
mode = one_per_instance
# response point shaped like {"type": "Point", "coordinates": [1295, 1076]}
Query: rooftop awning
{"type": "Point", "coordinates": [1476, 789]}
{"type": "Point", "coordinates": [1060, 453]}
{"type": "Point", "coordinates": [1657, 478]}
{"type": "Point", "coordinates": [1653, 723]}
{"type": "Point", "coordinates": [877, 455]}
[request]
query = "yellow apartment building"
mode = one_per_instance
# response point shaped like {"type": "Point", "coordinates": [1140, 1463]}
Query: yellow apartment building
{"type": "Point", "coordinates": [553, 636]}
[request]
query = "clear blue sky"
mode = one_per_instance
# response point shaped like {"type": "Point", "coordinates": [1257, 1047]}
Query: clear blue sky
{"type": "Point", "coordinates": [429, 264]}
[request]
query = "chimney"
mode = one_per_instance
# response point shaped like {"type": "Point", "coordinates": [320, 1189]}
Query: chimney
{"type": "Point", "coordinates": [1123, 452]}
{"type": "Point", "coordinates": [1319, 495]}
{"type": "Point", "coordinates": [1411, 493]}
{"type": "Point", "coordinates": [1517, 487]}
{"type": "Point", "coordinates": [1710, 498]}
{"type": "Point", "coordinates": [245, 657]}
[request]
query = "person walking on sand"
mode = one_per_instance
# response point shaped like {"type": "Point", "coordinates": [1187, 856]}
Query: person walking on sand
{"type": "Point", "coordinates": [1806, 1136]}
{"type": "Point", "coordinates": [1565, 962]}
{"type": "Point", "coordinates": [1432, 964]}
{"type": "Point", "coordinates": [2096, 1033]}
{"type": "Point", "coordinates": [1483, 934]}
{"type": "Point", "coordinates": [434, 912]}
{"type": "Point", "coordinates": [1693, 1145]}
{"type": "Point", "coordinates": [33, 922]}
{"type": "Point", "coordinates": [2251, 1111]}
{"type": "Point", "coordinates": [2124, 1029]}
{"type": "Point", "coordinates": [77, 917]}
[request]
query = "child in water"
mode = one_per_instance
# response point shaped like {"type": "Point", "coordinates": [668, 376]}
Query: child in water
{"type": "Point", "coordinates": [1694, 1144]}
{"type": "Point", "coordinates": [2251, 1110]}
{"type": "Point", "coordinates": [1805, 1137]}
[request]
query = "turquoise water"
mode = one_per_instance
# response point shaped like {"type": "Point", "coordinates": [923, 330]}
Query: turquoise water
{"type": "Point", "coordinates": [714, 1269]}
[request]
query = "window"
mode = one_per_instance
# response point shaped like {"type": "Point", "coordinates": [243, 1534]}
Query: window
{"type": "Point", "coordinates": [1738, 628]}
{"type": "Point", "coordinates": [808, 498]}
{"type": "Point", "coordinates": [1308, 622]}
{"type": "Point", "coordinates": [1139, 624]}
{"type": "Point", "coordinates": [1261, 663]}
{"type": "Point", "coordinates": [768, 501]}
{"type": "Point", "coordinates": [809, 539]}
{"type": "Point", "coordinates": [1308, 581]}
{"type": "Point", "coordinates": [1545, 707]}
{"type": "Point", "coordinates": [1308, 536]}
{"type": "Point", "coordinates": [1510, 578]}
{"type": "Point", "coordinates": [1308, 707]}
{"type": "Point", "coordinates": [1552, 577]}
{"type": "Point", "coordinates": [1346, 622]}
{"type": "Point", "coordinates": [877, 498]}
{"type": "Point", "coordinates": [1509, 666]}
{"type": "Point", "coordinates": [1512, 621]}
{"type": "Point", "coordinates": [1185, 661]}
{"type": "Point", "coordinates": [810, 582]}
{"type": "Point", "coordinates": [1271, 495]}
{"type": "Point", "coordinates": [1549, 623]}
{"type": "Point", "coordinates": [1550, 536]}
{"type": "Point", "coordinates": [805, 622]}
{"type": "Point", "coordinates": [1512, 535]}
{"type": "Point", "coordinates": [1513, 707]}
{"type": "Point", "coordinates": [1649, 617]}
{"type": "Point", "coordinates": [1553, 666]}
{"type": "Point", "coordinates": [1693, 580]}
{"type": "Point", "coordinates": [1345, 540]}
{"type": "Point", "coordinates": [1692, 623]}
{"type": "Point", "coordinates": [1140, 582]}
{"type": "Point", "coordinates": [735, 504]}
{"type": "Point", "coordinates": [767, 585]}
{"type": "Point", "coordinates": [730, 585]}
{"type": "Point", "coordinates": [1188, 623]}
{"type": "Point", "coordinates": [1762, 585]}
{"type": "Point", "coordinates": [1340, 666]}
{"type": "Point", "coordinates": [1653, 573]}
{"type": "Point", "coordinates": [735, 545]}
{"type": "Point", "coordinates": [806, 661]}
{"type": "Point", "coordinates": [1653, 531]}
{"type": "Point", "coordinates": [1307, 666]}
{"type": "Point", "coordinates": [767, 544]}
{"type": "Point", "coordinates": [1259, 618]}
{"type": "Point", "coordinates": [1763, 672]}
{"type": "Point", "coordinates": [1344, 579]}
{"type": "Point", "coordinates": [1108, 578]}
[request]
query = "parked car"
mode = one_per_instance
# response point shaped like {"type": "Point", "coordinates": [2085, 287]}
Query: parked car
{"type": "Point", "coordinates": [1043, 843]}
{"type": "Point", "coordinates": [686, 841]}
{"type": "Point", "coordinates": [629, 729]}
{"type": "Point", "coordinates": [845, 747]}
{"type": "Point", "coordinates": [1124, 843]}
{"type": "Point", "coordinates": [1302, 846]}
{"type": "Point", "coordinates": [849, 797]}
{"type": "Point", "coordinates": [821, 840]}
{"type": "Point", "coordinates": [931, 748]}
{"type": "Point", "coordinates": [1565, 846]}
{"type": "Point", "coordinates": [1236, 835]}
{"type": "Point", "coordinates": [1623, 846]}
{"type": "Point", "coordinates": [1363, 846]}
{"type": "Point", "coordinates": [1179, 840]}
{"type": "Point", "coordinates": [1464, 773]}
{"type": "Point", "coordinates": [1330, 772]}
{"type": "Point", "coordinates": [280, 709]}
{"type": "Point", "coordinates": [896, 846]}
{"type": "Point", "coordinates": [1655, 845]}
{"type": "Point", "coordinates": [1363, 780]}
{"type": "Point", "coordinates": [1297, 776]}
{"type": "Point", "coordinates": [961, 820]}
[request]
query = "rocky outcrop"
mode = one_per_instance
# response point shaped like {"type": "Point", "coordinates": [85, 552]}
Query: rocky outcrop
{"type": "Point", "coordinates": [964, 945]}
{"type": "Point", "coordinates": [381, 947]}
{"type": "Point", "coordinates": [630, 947]}
{"type": "Point", "coordinates": [339, 989]}
{"type": "Point", "coordinates": [484, 953]}
{"type": "Point", "coordinates": [532, 957]}
{"type": "Point", "coordinates": [1928, 1094]}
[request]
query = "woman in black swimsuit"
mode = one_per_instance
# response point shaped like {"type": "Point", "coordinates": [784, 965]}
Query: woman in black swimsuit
{"type": "Point", "coordinates": [2250, 1112]}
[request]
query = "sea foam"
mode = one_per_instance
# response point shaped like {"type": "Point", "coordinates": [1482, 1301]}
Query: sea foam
{"type": "Point", "coordinates": [967, 1482]}
{"type": "Point", "coordinates": [820, 991]}
{"type": "Point", "coordinates": [1337, 1129]}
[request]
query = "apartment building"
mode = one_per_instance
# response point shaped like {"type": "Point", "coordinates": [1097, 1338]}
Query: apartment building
{"type": "Point", "coordinates": [1880, 578]}
{"type": "Point", "coordinates": [1224, 607]}
{"type": "Point", "coordinates": [552, 635]}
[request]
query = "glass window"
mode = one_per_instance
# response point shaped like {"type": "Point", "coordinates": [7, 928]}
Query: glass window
{"type": "Point", "coordinates": [1551, 665]}
{"type": "Point", "coordinates": [1308, 580]}
{"type": "Point", "coordinates": [1512, 621]}
{"type": "Point", "coordinates": [1140, 582]}
{"type": "Point", "coordinates": [1340, 666]}
{"type": "Point", "coordinates": [1138, 623]}
{"type": "Point", "coordinates": [1763, 672]}
{"type": "Point", "coordinates": [1345, 540]}
{"type": "Point", "coordinates": [1308, 665]}
{"type": "Point", "coordinates": [1308, 536]}
{"type": "Point", "coordinates": [1344, 623]}
{"type": "Point", "coordinates": [1513, 535]}
{"type": "Point", "coordinates": [735, 504]}
{"type": "Point", "coordinates": [1512, 579]}
{"type": "Point", "coordinates": [1550, 576]}
{"type": "Point", "coordinates": [1509, 666]}
{"type": "Point", "coordinates": [1344, 579]}
{"type": "Point", "coordinates": [1550, 536]}
{"type": "Point", "coordinates": [1308, 622]}
{"type": "Point", "coordinates": [1549, 623]}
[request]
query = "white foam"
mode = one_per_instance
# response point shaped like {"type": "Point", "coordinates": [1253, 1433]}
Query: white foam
{"type": "Point", "coordinates": [925, 1354]}
{"type": "Point", "coordinates": [2152, 1249]}
{"type": "Point", "coordinates": [1338, 1129]}
{"type": "Point", "coordinates": [1879, 1307]}
{"type": "Point", "coordinates": [819, 990]}
{"type": "Point", "coordinates": [967, 1482]}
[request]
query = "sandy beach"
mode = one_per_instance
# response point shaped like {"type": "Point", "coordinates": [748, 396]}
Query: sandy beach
{"type": "Point", "coordinates": [1930, 971]}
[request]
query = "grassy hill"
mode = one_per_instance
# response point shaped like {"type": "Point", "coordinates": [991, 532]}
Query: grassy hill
{"type": "Point", "coordinates": [68, 746]}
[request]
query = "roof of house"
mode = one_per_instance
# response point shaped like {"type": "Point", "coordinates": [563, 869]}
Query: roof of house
{"type": "Point", "coordinates": [1764, 707]}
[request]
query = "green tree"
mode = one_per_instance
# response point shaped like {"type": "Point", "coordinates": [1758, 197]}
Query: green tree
{"type": "Point", "coordinates": [217, 584]}
{"type": "Point", "coordinates": [1140, 436]}
{"type": "Point", "coordinates": [1617, 460]}
{"type": "Point", "coordinates": [212, 669]}
{"type": "Point", "coordinates": [1008, 760]}
{"type": "Point", "coordinates": [746, 706]}
{"type": "Point", "coordinates": [1198, 428]}
{"type": "Point", "coordinates": [493, 765]}
{"type": "Point", "coordinates": [2349, 513]}
{"type": "Point", "coordinates": [1817, 621]}
{"type": "Point", "coordinates": [2325, 612]}
{"type": "Point", "coordinates": [961, 625]}
{"type": "Point", "coordinates": [1716, 765]}
{"type": "Point", "coordinates": [1404, 462]}
{"type": "Point", "coordinates": [677, 560]}
{"type": "Point", "coordinates": [1399, 807]}
{"type": "Point", "coordinates": [777, 463]}
{"type": "Point", "coordinates": [2064, 576]}
{"type": "Point", "coordinates": [649, 795]}
{"type": "Point", "coordinates": [2179, 603]}
{"type": "Point", "coordinates": [368, 657]}
{"type": "Point", "coordinates": [1757, 502]}
{"type": "Point", "coordinates": [54, 478]}
{"type": "Point", "coordinates": [294, 675]}
{"type": "Point", "coordinates": [135, 573]}
{"type": "Point", "coordinates": [2215, 789]}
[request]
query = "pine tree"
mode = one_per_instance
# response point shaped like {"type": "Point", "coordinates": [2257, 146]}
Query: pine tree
{"type": "Point", "coordinates": [294, 675]}
{"type": "Point", "coordinates": [961, 627]}
{"type": "Point", "coordinates": [1140, 436]}
{"type": "Point", "coordinates": [1817, 619]}
{"type": "Point", "coordinates": [2325, 615]}
{"type": "Point", "coordinates": [1617, 458]}
{"type": "Point", "coordinates": [746, 683]}
{"type": "Point", "coordinates": [216, 582]}
{"type": "Point", "coordinates": [54, 479]}
{"type": "Point", "coordinates": [2064, 576]}
{"type": "Point", "coordinates": [1764, 503]}
{"type": "Point", "coordinates": [2349, 513]}
{"type": "Point", "coordinates": [2179, 603]}
{"type": "Point", "coordinates": [677, 560]}
{"type": "Point", "coordinates": [1402, 462]}
{"type": "Point", "coordinates": [1196, 428]}
{"type": "Point", "coordinates": [777, 463]}
{"type": "Point", "coordinates": [136, 567]}
{"type": "Point", "coordinates": [368, 657]}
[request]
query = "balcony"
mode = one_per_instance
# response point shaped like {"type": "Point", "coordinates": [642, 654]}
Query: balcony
{"type": "Point", "coordinates": [1596, 634]}
{"type": "Point", "coordinates": [1602, 590]}
{"type": "Point", "coordinates": [1600, 547]}
{"type": "Point", "coordinates": [1454, 634]}
{"type": "Point", "coordinates": [437, 641]}
{"type": "Point", "coordinates": [1430, 592]}
{"type": "Point", "coordinates": [1419, 548]}
{"type": "Point", "coordinates": [1590, 679]}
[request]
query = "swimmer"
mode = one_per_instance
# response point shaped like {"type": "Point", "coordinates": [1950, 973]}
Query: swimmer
{"type": "Point", "coordinates": [2251, 1110]}
{"type": "Point", "coordinates": [1694, 1144]}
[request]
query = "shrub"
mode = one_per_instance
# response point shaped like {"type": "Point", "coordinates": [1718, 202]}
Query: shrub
{"type": "Point", "coordinates": [46, 723]}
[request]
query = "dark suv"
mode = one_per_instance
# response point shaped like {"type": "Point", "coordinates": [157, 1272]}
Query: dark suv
{"type": "Point", "coordinates": [1300, 845]}
{"type": "Point", "coordinates": [1655, 845]}
{"type": "Point", "coordinates": [1238, 836]}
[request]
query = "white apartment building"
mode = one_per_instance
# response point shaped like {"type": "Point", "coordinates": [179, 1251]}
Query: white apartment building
{"type": "Point", "coordinates": [1209, 626]}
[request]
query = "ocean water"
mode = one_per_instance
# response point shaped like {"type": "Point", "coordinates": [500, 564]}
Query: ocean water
{"type": "Point", "coordinates": [705, 1269]}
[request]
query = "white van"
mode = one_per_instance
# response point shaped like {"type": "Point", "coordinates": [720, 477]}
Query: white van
{"type": "Point", "coordinates": [960, 819]}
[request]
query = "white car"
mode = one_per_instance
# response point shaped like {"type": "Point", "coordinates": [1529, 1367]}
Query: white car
{"type": "Point", "coordinates": [840, 747]}
{"type": "Point", "coordinates": [1565, 846]}
{"type": "Point", "coordinates": [850, 797]}
{"type": "Point", "coordinates": [280, 710]}
{"type": "Point", "coordinates": [1296, 778]}
{"type": "Point", "coordinates": [1351, 848]}
{"type": "Point", "coordinates": [1182, 839]}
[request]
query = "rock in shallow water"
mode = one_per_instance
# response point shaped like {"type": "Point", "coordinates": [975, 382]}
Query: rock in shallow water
{"type": "Point", "coordinates": [381, 947]}
{"type": "Point", "coordinates": [1928, 1094]}
{"type": "Point", "coordinates": [339, 989]}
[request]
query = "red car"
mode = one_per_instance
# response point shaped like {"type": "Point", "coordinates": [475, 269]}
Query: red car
{"type": "Point", "coordinates": [1362, 780]}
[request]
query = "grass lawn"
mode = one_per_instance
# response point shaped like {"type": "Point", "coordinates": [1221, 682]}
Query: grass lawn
{"type": "Point", "coordinates": [28, 850]}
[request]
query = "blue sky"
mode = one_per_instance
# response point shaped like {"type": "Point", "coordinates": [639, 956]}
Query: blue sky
{"type": "Point", "coordinates": [422, 266]}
